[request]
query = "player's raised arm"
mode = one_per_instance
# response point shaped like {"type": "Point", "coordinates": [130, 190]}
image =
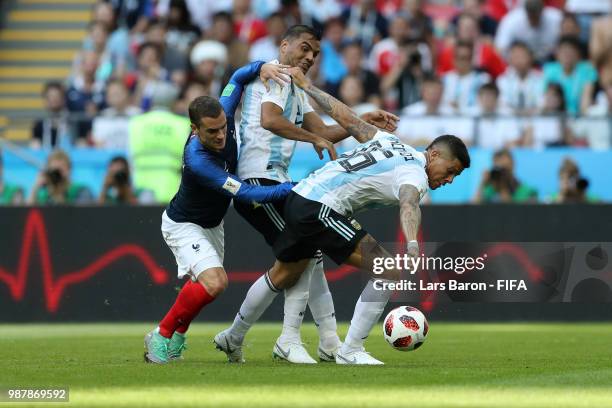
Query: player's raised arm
{"type": "Point", "coordinates": [410, 216]}
{"type": "Point", "coordinates": [230, 97]}
{"type": "Point", "coordinates": [359, 128]}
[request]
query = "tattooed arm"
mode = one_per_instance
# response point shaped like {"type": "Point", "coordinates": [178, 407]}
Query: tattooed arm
{"type": "Point", "coordinates": [410, 215]}
{"type": "Point", "coordinates": [361, 130]}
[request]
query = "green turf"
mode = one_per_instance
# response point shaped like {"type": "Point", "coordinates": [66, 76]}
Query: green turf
{"type": "Point", "coordinates": [460, 365]}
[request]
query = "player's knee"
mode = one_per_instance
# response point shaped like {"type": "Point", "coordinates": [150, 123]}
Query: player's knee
{"type": "Point", "coordinates": [283, 279]}
{"type": "Point", "coordinates": [214, 280]}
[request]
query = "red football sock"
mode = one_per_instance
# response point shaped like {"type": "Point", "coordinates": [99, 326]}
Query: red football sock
{"type": "Point", "coordinates": [190, 300]}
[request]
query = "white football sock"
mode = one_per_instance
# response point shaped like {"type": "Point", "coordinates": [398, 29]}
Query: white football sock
{"type": "Point", "coordinates": [368, 309]}
{"type": "Point", "coordinates": [258, 298]}
{"type": "Point", "coordinates": [321, 306]}
{"type": "Point", "coordinates": [296, 299]}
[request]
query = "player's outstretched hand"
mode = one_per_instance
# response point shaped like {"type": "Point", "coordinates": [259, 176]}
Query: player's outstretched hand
{"type": "Point", "coordinates": [320, 145]}
{"type": "Point", "coordinates": [299, 78]}
{"type": "Point", "coordinates": [276, 72]}
{"type": "Point", "coordinates": [382, 120]}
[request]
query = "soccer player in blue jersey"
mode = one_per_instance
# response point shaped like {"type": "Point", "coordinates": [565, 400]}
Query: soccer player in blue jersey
{"type": "Point", "coordinates": [192, 224]}
{"type": "Point", "coordinates": [382, 171]}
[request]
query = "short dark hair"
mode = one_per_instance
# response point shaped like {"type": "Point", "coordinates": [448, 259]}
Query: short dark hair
{"type": "Point", "coordinates": [456, 147]}
{"type": "Point", "coordinates": [204, 107]}
{"type": "Point", "coordinates": [572, 41]}
{"type": "Point", "coordinates": [223, 15]}
{"type": "Point", "coordinates": [152, 45]}
{"type": "Point", "coordinates": [521, 44]}
{"type": "Point", "coordinates": [53, 85]}
{"type": "Point", "coordinates": [297, 30]}
{"type": "Point", "coordinates": [431, 79]}
{"type": "Point", "coordinates": [465, 44]}
{"type": "Point", "coordinates": [119, 159]}
{"type": "Point", "coordinates": [489, 86]}
{"type": "Point", "coordinates": [503, 152]}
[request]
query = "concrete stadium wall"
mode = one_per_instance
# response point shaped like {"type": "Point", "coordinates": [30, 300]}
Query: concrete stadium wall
{"type": "Point", "coordinates": [111, 264]}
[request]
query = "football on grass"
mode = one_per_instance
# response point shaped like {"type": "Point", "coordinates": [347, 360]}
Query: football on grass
{"type": "Point", "coordinates": [405, 328]}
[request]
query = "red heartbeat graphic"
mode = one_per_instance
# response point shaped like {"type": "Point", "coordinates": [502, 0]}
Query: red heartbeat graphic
{"type": "Point", "coordinates": [53, 288]}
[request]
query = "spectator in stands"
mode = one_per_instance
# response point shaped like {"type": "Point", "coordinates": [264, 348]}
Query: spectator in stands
{"type": "Point", "coordinates": [431, 103]}
{"type": "Point", "coordinates": [535, 25]}
{"type": "Point", "coordinates": [352, 94]}
{"type": "Point", "coordinates": [572, 185]}
{"type": "Point", "coordinates": [132, 14]}
{"type": "Point", "coordinates": [549, 128]}
{"type": "Point", "coordinates": [291, 12]}
{"type": "Point", "coordinates": [266, 48]}
{"type": "Point", "coordinates": [500, 185]}
{"type": "Point", "coordinates": [189, 92]}
{"type": "Point", "coordinates": [111, 128]}
{"type": "Point", "coordinates": [364, 23]}
{"type": "Point", "coordinates": [85, 92]}
{"type": "Point", "coordinates": [56, 128]}
{"type": "Point", "coordinates": [601, 37]}
{"type": "Point", "coordinates": [156, 144]}
{"type": "Point", "coordinates": [571, 28]}
{"type": "Point", "coordinates": [596, 126]}
{"type": "Point", "coordinates": [181, 32]}
{"type": "Point", "coordinates": [594, 93]}
{"type": "Point", "coordinates": [317, 12]}
{"type": "Point", "coordinates": [422, 121]}
{"type": "Point", "coordinates": [10, 194]}
{"type": "Point", "coordinates": [421, 26]}
{"type": "Point", "coordinates": [149, 72]}
{"type": "Point", "coordinates": [222, 31]}
{"type": "Point", "coordinates": [485, 55]}
{"type": "Point", "coordinates": [209, 61]}
{"type": "Point", "coordinates": [172, 59]}
{"type": "Point", "coordinates": [475, 8]}
{"type": "Point", "coordinates": [521, 86]}
{"type": "Point", "coordinates": [332, 69]}
{"type": "Point", "coordinates": [118, 43]}
{"type": "Point", "coordinates": [462, 84]}
{"type": "Point", "coordinates": [117, 187]}
{"type": "Point", "coordinates": [401, 86]}
{"type": "Point", "coordinates": [570, 72]}
{"type": "Point", "coordinates": [496, 127]}
{"type": "Point", "coordinates": [386, 53]}
{"type": "Point", "coordinates": [247, 27]}
{"type": "Point", "coordinates": [54, 185]}
{"type": "Point", "coordinates": [96, 41]}
{"type": "Point", "coordinates": [97, 37]}
{"type": "Point", "coordinates": [352, 59]}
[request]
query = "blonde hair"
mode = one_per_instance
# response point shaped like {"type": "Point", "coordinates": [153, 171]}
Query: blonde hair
{"type": "Point", "coordinates": [59, 154]}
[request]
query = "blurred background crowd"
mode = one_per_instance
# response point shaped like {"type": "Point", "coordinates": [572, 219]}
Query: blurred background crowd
{"type": "Point", "coordinates": [507, 76]}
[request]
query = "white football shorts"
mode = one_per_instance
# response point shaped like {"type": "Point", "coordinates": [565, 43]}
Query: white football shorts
{"type": "Point", "coordinates": [196, 249]}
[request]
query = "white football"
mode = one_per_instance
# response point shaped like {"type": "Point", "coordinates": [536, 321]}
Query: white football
{"type": "Point", "coordinates": [405, 328]}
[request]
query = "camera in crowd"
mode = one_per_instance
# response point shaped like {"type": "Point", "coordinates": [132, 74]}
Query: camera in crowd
{"type": "Point", "coordinates": [54, 176]}
{"type": "Point", "coordinates": [121, 178]}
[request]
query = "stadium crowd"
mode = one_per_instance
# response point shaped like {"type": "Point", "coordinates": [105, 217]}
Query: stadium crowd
{"type": "Point", "coordinates": [498, 73]}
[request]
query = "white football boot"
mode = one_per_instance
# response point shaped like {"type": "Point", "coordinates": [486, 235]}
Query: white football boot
{"type": "Point", "coordinates": [223, 342]}
{"type": "Point", "coordinates": [328, 355]}
{"type": "Point", "coordinates": [356, 357]}
{"type": "Point", "coordinates": [293, 352]}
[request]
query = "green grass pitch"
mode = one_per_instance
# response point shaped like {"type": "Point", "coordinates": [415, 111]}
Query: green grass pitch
{"type": "Point", "coordinates": [460, 365]}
